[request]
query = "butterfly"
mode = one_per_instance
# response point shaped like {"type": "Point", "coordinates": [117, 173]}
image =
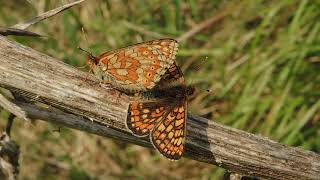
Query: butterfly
{"type": "Point", "coordinates": [160, 109]}
{"type": "Point", "coordinates": [135, 68]}
{"type": "Point", "coordinates": [162, 114]}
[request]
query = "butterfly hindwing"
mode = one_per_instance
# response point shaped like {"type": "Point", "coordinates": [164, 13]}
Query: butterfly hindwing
{"type": "Point", "coordinates": [143, 116]}
{"type": "Point", "coordinates": [168, 136]}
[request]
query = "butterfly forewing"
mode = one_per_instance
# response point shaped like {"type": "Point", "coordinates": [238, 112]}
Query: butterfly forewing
{"type": "Point", "coordinates": [138, 67]}
{"type": "Point", "coordinates": [168, 136]}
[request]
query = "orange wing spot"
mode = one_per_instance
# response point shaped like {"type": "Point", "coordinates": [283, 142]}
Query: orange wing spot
{"type": "Point", "coordinates": [155, 114]}
{"type": "Point", "coordinates": [181, 109]}
{"type": "Point", "coordinates": [166, 141]}
{"type": "Point", "coordinates": [175, 149]}
{"type": "Point", "coordinates": [105, 61]}
{"type": "Point", "coordinates": [151, 57]}
{"type": "Point", "coordinates": [164, 43]}
{"type": "Point", "coordinates": [180, 115]}
{"type": "Point", "coordinates": [138, 124]}
{"type": "Point", "coordinates": [162, 128]}
{"type": "Point", "coordinates": [146, 82]}
{"type": "Point", "coordinates": [135, 112]}
{"type": "Point", "coordinates": [171, 148]}
{"type": "Point", "coordinates": [153, 68]}
{"type": "Point", "coordinates": [162, 136]}
{"type": "Point", "coordinates": [172, 153]}
{"type": "Point", "coordinates": [170, 135]}
{"type": "Point", "coordinates": [145, 53]}
{"type": "Point", "coordinates": [167, 122]}
{"type": "Point", "coordinates": [134, 105]}
{"type": "Point", "coordinates": [162, 146]}
{"type": "Point", "coordinates": [143, 126]}
{"type": "Point", "coordinates": [170, 117]}
{"type": "Point", "coordinates": [149, 74]}
{"type": "Point", "coordinates": [136, 118]}
{"type": "Point", "coordinates": [165, 49]}
{"type": "Point", "coordinates": [122, 58]}
{"type": "Point", "coordinates": [179, 122]}
{"type": "Point", "coordinates": [179, 141]}
{"type": "Point", "coordinates": [158, 142]}
{"type": "Point", "coordinates": [150, 126]}
{"type": "Point", "coordinates": [132, 75]}
{"type": "Point", "coordinates": [175, 141]}
{"type": "Point", "coordinates": [156, 133]}
{"type": "Point", "coordinates": [177, 133]}
{"type": "Point", "coordinates": [169, 128]}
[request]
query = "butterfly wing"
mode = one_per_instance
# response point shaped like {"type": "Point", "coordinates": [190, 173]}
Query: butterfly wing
{"type": "Point", "coordinates": [138, 67]}
{"type": "Point", "coordinates": [168, 136]}
{"type": "Point", "coordinates": [172, 77]}
{"type": "Point", "coordinates": [143, 116]}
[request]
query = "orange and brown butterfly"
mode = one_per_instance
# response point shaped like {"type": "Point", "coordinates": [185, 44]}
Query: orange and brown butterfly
{"type": "Point", "coordinates": [162, 113]}
{"type": "Point", "coordinates": [136, 68]}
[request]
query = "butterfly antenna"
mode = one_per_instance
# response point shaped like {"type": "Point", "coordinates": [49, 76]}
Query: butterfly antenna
{"type": "Point", "coordinates": [87, 52]}
{"type": "Point", "coordinates": [198, 67]}
{"type": "Point", "coordinates": [85, 35]}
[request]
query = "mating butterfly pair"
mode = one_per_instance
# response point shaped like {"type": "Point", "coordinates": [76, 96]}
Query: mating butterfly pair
{"type": "Point", "coordinates": [149, 69]}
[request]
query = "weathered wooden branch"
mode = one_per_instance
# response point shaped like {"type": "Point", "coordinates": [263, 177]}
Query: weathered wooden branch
{"type": "Point", "coordinates": [77, 100]}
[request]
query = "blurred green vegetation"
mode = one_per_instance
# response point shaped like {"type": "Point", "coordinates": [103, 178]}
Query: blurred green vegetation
{"type": "Point", "coordinates": [261, 63]}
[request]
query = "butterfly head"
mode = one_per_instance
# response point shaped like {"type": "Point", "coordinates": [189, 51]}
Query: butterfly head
{"type": "Point", "coordinates": [190, 90]}
{"type": "Point", "coordinates": [91, 59]}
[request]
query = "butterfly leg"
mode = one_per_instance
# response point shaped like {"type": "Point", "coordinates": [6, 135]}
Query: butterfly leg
{"type": "Point", "coordinates": [106, 85]}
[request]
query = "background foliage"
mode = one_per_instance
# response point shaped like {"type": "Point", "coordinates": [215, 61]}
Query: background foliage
{"type": "Point", "coordinates": [261, 62]}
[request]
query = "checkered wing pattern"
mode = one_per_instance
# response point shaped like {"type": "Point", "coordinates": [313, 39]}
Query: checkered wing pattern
{"type": "Point", "coordinates": [143, 116]}
{"type": "Point", "coordinates": [138, 67]}
{"type": "Point", "coordinates": [168, 136]}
